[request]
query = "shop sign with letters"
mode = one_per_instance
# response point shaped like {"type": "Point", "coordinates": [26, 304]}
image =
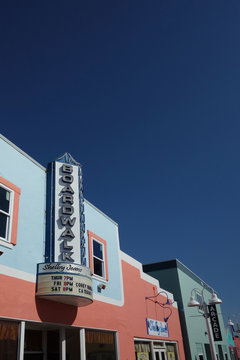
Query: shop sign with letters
{"type": "Point", "coordinates": [215, 323]}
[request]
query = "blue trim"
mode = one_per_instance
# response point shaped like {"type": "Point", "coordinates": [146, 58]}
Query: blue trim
{"type": "Point", "coordinates": [82, 218]}
{"type": "Point", "coordinates": [50, 213]}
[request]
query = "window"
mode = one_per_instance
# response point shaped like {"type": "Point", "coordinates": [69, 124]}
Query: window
{"type": "Point", "coordinates": [98, 256]}
{"type": "Point", "coordinates": [5, 212]}
{"type": "Point", "coordinates": [8, 340]}
{"type": "Point", "coordinates": [100, 345]}
{"type": "Point", "coordinates": [9, 204]}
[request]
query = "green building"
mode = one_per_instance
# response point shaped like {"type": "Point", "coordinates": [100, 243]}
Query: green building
{"type": "Point", "coordinates": [182, 282]}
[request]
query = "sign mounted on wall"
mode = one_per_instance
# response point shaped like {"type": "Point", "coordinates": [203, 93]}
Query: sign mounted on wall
{"type": "Point", "coordinates": [64, 277]}
{"type": "Point", "coordinates": [157, 328]}
{"type": "Point", "coordinates": [65, 212]}
{"type": "Point", "coordinates": [214, 322]}
{"type": "Point", "coordinates": [65, 282]}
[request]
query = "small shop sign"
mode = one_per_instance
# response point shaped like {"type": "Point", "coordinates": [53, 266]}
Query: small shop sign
{"type": "Point", "coordinates": [157, 328]}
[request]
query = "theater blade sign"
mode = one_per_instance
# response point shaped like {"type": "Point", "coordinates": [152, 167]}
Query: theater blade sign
{"type": "Point", "coordinates": [64, 276]}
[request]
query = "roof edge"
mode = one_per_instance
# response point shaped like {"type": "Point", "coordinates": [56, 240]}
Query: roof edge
{"type": "Point", "coordinates": [175, 263]}
{"type": "Point", "coordinates": [100, 211]}
{"type": "Point", "coordinates": [22, 152]}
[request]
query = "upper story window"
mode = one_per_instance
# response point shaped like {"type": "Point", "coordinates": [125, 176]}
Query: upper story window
{"type": "Point", "coordinates": [98, 256]}
{"type": "Point", "coordinates": [9, 205]}
{"type": "Point", "coordinates": [6, 196]}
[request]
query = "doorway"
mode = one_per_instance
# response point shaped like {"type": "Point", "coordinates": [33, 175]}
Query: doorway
{"type": "Point", "coordinates": [160, 354]}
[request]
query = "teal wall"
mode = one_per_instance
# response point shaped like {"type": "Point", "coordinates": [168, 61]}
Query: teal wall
{"type": "Point", "coordinates": [180, 281]}
{"type": "Point", "coordinates": [195, 322]}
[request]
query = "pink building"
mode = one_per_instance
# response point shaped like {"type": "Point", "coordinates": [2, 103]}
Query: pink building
{"type": "Point", "coordinates": [67, 290]}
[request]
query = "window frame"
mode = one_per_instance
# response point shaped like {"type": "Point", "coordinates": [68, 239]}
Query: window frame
{"type": "Point", "coordinates": [15, 191]}
{"type": "Point", "coordinates": [101, 260]}
{"type": "Point", "coordinates": [93, 237]}
{"type": "Point", "coordinates": [8, 230]}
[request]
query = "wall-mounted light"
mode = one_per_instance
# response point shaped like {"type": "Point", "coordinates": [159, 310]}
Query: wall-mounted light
{"type": "Point", "coordinates": [162, 305]}
{"type": "Point", "coordinates": [160, 292]}
{"type": "Point", "coordinates": [204, 307]}
{"type": "Point", "coordinates": [101, 287]}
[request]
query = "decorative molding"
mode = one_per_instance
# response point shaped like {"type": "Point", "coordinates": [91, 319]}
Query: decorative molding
{"type": "Point", "coordinates": [68, 159]}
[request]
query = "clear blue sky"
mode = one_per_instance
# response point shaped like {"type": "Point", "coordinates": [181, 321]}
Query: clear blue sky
{"type": "Point", "coordinates": [145, 94]}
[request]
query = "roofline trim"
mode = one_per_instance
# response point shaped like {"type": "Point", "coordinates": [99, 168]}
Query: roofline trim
{"type": "Point", "coordinates": [178, 262]}
{"type": "Point", "coordinates": [101, 212]}
{"type": "Point", "coordinates": [22, 152]}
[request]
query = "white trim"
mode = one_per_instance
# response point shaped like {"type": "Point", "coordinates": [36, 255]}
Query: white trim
{"type": "Point", "coordinates": [42, 324]}
{"type": "Point", "coordinates": [102, 213]}
{"type": "Point", "coordinates": [21, 151]}
{"type": "Point", "coordinates": [163, 340]}
{"type": "Point", "coordinates": [21, 341]}
{"type": "Point", "coordinates": [6, 244]}
{"type": "Point", "coordinates": [9, 215]}
{"type": "Point", "coordinates": [103, 260]}
{"type": "Point", "coordinates": [62, 340]}
{"type": "Point", "coordinates": [117, 353]}
{"type": "Point", "coordinates": [18, 274]}
{"type": "Point", "coordinates": [145, 276]}
{"type": "Point", "coordinates": [121, 302]}
{"type": "Point", "coordinates": [82, 344]}
{"type": "Point", "coordinates": [109, 300]}
{"type": "Point", "coordinates": [152, 350]}
{"type": "Point", "coordinates": [202, 281]}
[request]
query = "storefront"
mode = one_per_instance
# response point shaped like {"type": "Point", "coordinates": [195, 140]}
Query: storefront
{"type": "Point", "coordinates": [33, 341]}
{"type": "Point", "coordinates": [162, 350]}
{"type": "Point", "coordinates": [67, 290]}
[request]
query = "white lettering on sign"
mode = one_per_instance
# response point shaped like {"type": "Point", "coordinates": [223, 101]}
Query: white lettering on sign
{"type": "Point", "coordinates": [67, 215]}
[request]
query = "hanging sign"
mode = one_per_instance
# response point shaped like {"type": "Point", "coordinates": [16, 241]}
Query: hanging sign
{"type": "Point", "coordinates": [215, 323]}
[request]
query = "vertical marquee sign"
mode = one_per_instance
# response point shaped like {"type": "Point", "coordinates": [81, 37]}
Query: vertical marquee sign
{"type": "Point", "coordinates": [65, 241]}
{"type": "Point", "coordinates": [214, 322]}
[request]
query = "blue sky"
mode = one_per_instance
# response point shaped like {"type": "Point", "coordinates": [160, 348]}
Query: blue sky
{"type": "Point", "coordinates": [146, 96]}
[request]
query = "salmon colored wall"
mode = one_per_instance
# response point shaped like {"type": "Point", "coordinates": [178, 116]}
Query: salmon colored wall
{"type": "Point", "coordinates": [18, 301]}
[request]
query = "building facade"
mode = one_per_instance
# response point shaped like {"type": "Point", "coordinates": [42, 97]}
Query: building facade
{"type": "Point", "coordinates": [177, 278]}
{"type": "Point", "coordinates": [67, 290]}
